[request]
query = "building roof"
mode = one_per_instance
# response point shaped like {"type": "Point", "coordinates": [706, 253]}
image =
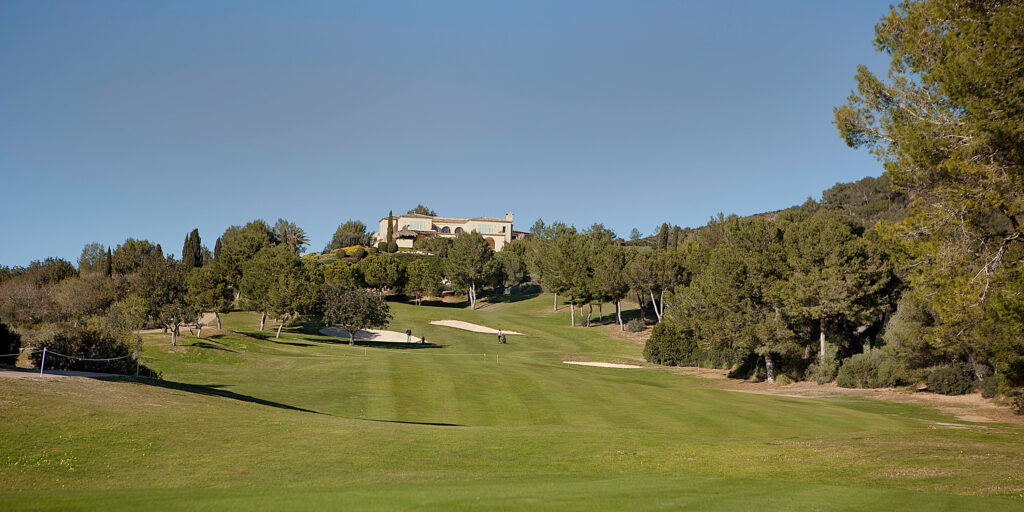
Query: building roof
{"type": "Point", "coordinates": [490, 219]}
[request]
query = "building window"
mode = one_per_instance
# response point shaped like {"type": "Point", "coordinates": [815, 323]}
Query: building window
{"type": "Point", "coordinates": [444, 229]}
{"type": "Point", "coordinates": [484, 228]}
{"type": "Point", "coordinates": [458, 230]}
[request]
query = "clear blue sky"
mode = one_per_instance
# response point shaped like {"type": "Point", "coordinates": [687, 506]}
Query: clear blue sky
{"type": "Point", "coordinates": [149, 119]}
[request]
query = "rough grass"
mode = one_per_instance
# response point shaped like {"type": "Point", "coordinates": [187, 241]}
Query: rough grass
{"type": "Point", "coordinates": [244, 421]}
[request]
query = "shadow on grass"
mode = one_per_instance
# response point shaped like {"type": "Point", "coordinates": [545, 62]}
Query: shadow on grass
{"type": "Point", "coordinates": [266, 336]}
{"type": "Point", "coordinates": [203, 344]}
{"type": "Point", "coordinates": [510, 298]}
{"type": "Point", "coordinates": [437, 303]}
{"type": "Point", "coordinates": [215, 390]}
{"type": "Point", "coordinates": [376, 344]}
{"type": "Point", "coordinates": [414, 422]}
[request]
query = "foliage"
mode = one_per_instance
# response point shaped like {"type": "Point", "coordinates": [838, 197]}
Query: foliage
{"type": "Point", "coordinates": [382, 271]}
{"type": "Point", "coordinates": [350, 233]}
{"type": "Point", "coordinates": [192, 250]}
{"type": "Point", "coordinates": [823, 370]}
{"type": "Point", "coordinates": [239, 244]}
{"type": "Point", "coordinates": [948, 127]}
{"type": "Point", "coordinates": [291, 235]}
{"type": "Point", "coordinates": [670, 347]}
{"type": "Point", "coordinates": [161, 283]}
{"type": "Point", "coordinates": [10, 343]}
{"type": "Point", "coordinates": [424, 278]}
{"type": "Point", "coordinates": [871, 369]}
{"type": "Point", "coordinates": [435, 245]}
{"type": "Point", "coordinates": [466, 263]}
{"type": "Point", "coordinates": [90, 343]}
{"type": "Point", "coordinates": [635, 325]}
{"type": "Point", "coordinates": [128, 256]}
{"type": "Point", "coordinates": [93, 259]}
{"type": "Point", "coordinates": [423, 210]}
{"type": "Point", "coordinates": [949, 380]}
{"type": "Point", "coordinates": [208, 290]}
{"type": "Point", "coordinates": [353, 308]}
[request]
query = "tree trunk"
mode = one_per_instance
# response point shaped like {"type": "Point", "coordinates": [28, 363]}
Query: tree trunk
{"type": "Point", "coordinates": [769, 367]}
{"type": "Point", "coordinates": [618, 315]}
{"type": "Point", "coordinates": [217, 314]}
{"type": "Point", "coordinates": [590, 313]}
{"type": "Point", "coordinates": [472, 296]}
{"type": "Point", "coordinates": [351, 337]}
{"type": "Point", "coordinates": [662, 306]}
{"type": "Point", "coordinates": [555, 306]}
{"type": "Point", "coordinates": [263, 320]}
{"type": "Point", "coordinates": [654, 303]}
{"type": "Point", "coordinates": [821, 341]}
{"type": "Point", "coordinates": [174, 335]}
{"type": "Point", "coordinates": [600, 312]}
{"type": "Point", "coordinates": [279, 326]}
{"type": "Point", "coordinates": [640, 300]}
{"type": "Point", "coordinates": [199, 326]}
{"type": "Point", "coordinates": [572, 313]}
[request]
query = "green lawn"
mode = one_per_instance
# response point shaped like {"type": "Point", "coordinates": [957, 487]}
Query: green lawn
{"type": "Point", "coordinates": [307, 422]}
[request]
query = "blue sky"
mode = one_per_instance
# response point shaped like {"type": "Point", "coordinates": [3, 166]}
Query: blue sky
{"type": "Point", "coordinates": [149, 119]}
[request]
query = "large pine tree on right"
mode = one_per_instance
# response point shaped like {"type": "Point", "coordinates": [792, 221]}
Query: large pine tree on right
{"type": "Point", "coordinates": [948, 124]}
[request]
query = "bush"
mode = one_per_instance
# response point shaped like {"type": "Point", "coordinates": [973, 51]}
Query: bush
{"type": "Point", "coordinates": [665, 346]}
{"type": "Point", "coordinates": [822, 372]}
{"type": "Point", "coordinates": [871, 369]}
{"type": "Point", "coordinates": [948, 380]}
{"type": "Point", "coordinates": [990, 386]}
{"type": "Point", "coordinates": [382, 247]}
{"type": "Point", "coordinates": [10, 343]}
{"type": "Point", "coordinates": [393, 247]}
{"type": "Point", "coordinates": [1017, 402]}
{"type": "Point", "coordinates": [89, 343]}
{"type": "Point", "coordinates": [783, 380]}
{"type": "Point", "coordinates": [635, 325]}
{"type": "Point", "coordinates": [359, 253]}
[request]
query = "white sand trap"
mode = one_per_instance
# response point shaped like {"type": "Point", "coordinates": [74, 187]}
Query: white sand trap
{"type": "Point", "coordinates": [602, 365]}
{"type": "Point", "coordinates": [458, 324]}
{"type": "Point", "coordinates": [370, 335]}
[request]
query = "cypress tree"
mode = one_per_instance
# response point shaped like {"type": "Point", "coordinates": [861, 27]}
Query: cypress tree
{"type": "Point", "coordinates": [216, 249]}
{"type": "Point", "coordinates": [110, 263]}
{"type": "Point", "coordinates": [192, 251]}
{"type": "Point", "coordinates": [391, 229]}
{"type": "Point", "coordinates": [663, 236]}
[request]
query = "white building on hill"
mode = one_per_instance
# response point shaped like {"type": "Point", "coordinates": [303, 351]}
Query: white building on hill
{"type": "Point", "coordinates": [411, 226]}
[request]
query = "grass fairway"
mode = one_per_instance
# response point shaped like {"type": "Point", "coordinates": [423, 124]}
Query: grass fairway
{"type": "Point", "coordinates": [244, 421]}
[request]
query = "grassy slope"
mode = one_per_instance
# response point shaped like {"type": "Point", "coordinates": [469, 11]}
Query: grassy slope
{"type": "Point", "coordinates": [305, 422]}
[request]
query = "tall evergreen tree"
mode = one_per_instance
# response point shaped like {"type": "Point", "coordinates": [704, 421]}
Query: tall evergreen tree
{"type": "Point", "coordinates": [192, 251]}
{"type": "Point", "coordinates": [391, 228]}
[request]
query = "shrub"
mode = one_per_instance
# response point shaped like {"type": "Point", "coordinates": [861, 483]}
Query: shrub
{"type": "Point", "coordinates": [393, 247]}
{"type": "Point", "coordinates": [822, 372]}
{"type": "Point", "coordinates": [89, 343]}
{"type": "Point", "coordinates": [948, 380]}
{"type": "Point", "coordinates": [635, 325]}
{"type": "Point", "coordinates": [990, 385]}
{"type": "Point", "coordinates": [665, 346]}
{"type": "Point", "coordinates": [10, 343]}
{"type": "Point", "coordinates": [1017, 402]}
{"type": "Point", "coordinates": [871, 369]}
{"type": "Point", "coordinates": [359, 253]}
{"type": "Point", "coordinates": [382, 246]}
{"type": "Point", "coordinates": [783, 380]}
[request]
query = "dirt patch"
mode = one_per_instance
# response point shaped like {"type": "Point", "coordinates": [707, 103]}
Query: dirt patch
{"type": "Point", "coordinates": [971, 407]}
{"type": "Point", "coordinates": [466, 326]}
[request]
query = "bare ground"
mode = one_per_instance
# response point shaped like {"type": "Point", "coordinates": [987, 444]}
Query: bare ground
{"type": "Point", "coordinates": [971, 407]}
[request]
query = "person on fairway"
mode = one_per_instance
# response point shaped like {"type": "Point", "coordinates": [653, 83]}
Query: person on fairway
{"type": "Point", "coordinates": [408, 335]}
{"type": "Point", "coordinates": [499, 335]}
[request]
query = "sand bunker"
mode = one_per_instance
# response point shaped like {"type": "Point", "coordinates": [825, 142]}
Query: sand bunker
{"type": "Point", "coordinates": [602, 365]}
{"type": "Point", "coordinates": [458, 324]}
{"type": "Point", "coordinates": [370, 335]}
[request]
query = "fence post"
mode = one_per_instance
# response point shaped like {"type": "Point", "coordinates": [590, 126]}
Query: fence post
{"type": "Point", "coordinates": [42, 365]}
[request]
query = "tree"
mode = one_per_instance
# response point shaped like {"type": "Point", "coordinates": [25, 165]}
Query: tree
{"type": "Point", "coordinates": [466, 264]}
{"type": "Point", "coordinates": [663, 236]}
{"type": "Point", "coordinates": [128, 257]}
{"type": "Point", "coordinates": [161, 283]}
{"type": "Point", "coordinates": [949, 128]}
{"type": "Point", "coordinates": [267, 282]}
{"type": "Point", "coordinates": [382, 271]}
{"type": "Point", "coordinates": [512, 262]}
{"type": "Point", "coordinates": [424, 278]}
{"type": "Point", "coordinates": [109, 264]}
{"type": "Point", "coordinates": [352, 232]}
{"type": "Point", "coordinates": [610, 279]}
{"type": "Point", "coordinates": [208, 290]}
{"type": "Point", "coordinates": [391, 230]}
{"type": "Point", "coordinates": [239, 244]}
{"type": "Point", "coordinates": [291, 235]}
{"type": "Point", "coordinates": [635, 235]}
{"type": "Point", "coordinates": [192, 251]}
{"type": "Point", "coordinates": [354, 309]}
{"type": "Point", "coordinates": [93, 258]}
{"type": "Point", "coordinates": [423, 210]}
{"type": "Point", "coordinates": [837, 275]}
